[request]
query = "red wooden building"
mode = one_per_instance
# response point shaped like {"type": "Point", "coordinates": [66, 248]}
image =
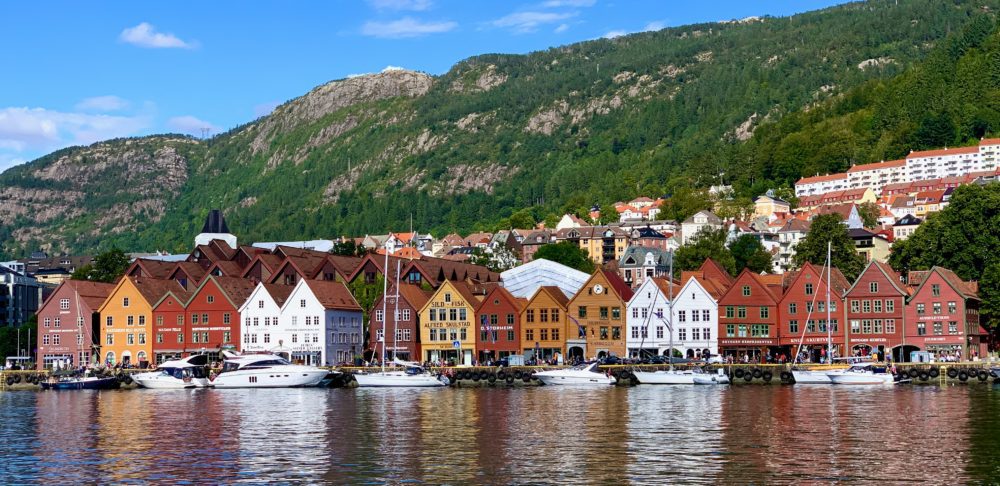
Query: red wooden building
{"type": "Point", "coordinates": [942, 315]}
{"type": "Point", "coordinates": [748, 319]}
{"type": "Point", "coordinates": [803, 312]}
{"type": "Point", "coordinates": [875, 309]}
{"type": "Point", "coordinates": [406, 346]}
{"type": "Point", "coordinates": [213, 319]}
{"type": "Point", "coordinates": [169, 330]}
{"type": "Point", "coordinates": [68, 323]}
{"type": "Point", "coordinates": [498, 322]}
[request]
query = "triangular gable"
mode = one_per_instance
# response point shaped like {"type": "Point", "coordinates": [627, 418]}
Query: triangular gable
{"type": "Point", "coordinates": [894, 281]}
{"type": "Point", "coordinates": [938, 270]}
{"type": "Point", "coordinates": [712, 269]}
{"type": "Point", "coordinates": [746, 277]}
{"type": "Point", "coordinates": [501, 294]}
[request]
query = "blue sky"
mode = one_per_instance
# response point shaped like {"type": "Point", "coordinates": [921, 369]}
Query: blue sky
{"type": "Point", "coordinates": [79, 72]}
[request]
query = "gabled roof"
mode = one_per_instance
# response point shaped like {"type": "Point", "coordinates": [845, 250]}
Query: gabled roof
{"type": "Point", "coordinates": [838, 283]}
{"type": "Point", "coordinates": [886, 270]}
{"type": "Point", "coordinates": [711, 269]}
{"type": "Point", "coordinates": [909, 220]}
{"type": "Point", "coordinates": [766, 282]}
{"type": "Point", "coordinates": [555, 293]}
{"type": "Point", "coordinates": [416, 296]}
{"type": "Point", "coordinates": [333, 295]}
{"type": "Point", "coordinates": [618, 284]}
{"type": "Point", "coordinates": [152, 268]}
{"type": "Point", "coordinates": [227, 268]}
{"type": "Point", "coordinates": [710, 216]}
{"type": "Point", "coordinates": [279, 293]}
{"type": "Point", "coordinates": [966, 289]}
{"type": "Point", "coordinates": [346, 265]}
{"type": "Point", "coordinates": [93, 294]}
{"type": "Point", "coordinates": [193, 271]}
{"type": "Point", "coordinates": [306, 266]}
{"type": "Point", "coordinates": [151, 289]}
{"type": "Point", "coordinates": [795, 225]}
{"type": "Point", "coordinates": [499, 292]}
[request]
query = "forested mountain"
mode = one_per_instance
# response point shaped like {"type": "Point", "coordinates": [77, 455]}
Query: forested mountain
{"type": "Point", "coordinates": [755, 103]}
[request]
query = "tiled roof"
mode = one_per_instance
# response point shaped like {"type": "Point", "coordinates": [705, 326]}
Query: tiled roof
{"type": "Point", "coordinates": [821, 178]}
{"type": "Point", "coordinates": [152, 289]}
{"type": "Point", "coordinates": [333, 295]}
{"type": "Point", "coordinates": [555, 293]}
{"type": "Point", "coordinates": [155, 268]}
{"type": "Point", "coordinates": [616, 282]}
{"type": "Point", "coordinates": [91, 293]}
{"type": "Point", "coordinates": [890, 164]}
{"type": "Point", "coordinates": [415, 295]}
{"type": "Point", "coordinates": [944, 152]}
{"type": "Point", "coordinates": [279, 293]}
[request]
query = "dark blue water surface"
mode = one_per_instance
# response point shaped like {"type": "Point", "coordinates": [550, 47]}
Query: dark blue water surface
{"type": "Point", "coordinates": [651, 435]}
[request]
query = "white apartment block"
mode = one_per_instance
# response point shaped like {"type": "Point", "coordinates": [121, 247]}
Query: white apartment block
{"type": "Point", "coordinates": [917, 166]}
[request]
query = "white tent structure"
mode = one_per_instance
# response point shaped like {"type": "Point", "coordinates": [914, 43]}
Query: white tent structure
{"type": "Point", "coordinates": [523, 281]}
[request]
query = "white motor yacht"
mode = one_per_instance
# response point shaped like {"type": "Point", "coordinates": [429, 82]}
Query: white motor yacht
{"type": "Point", "coordinates": [864, 374]}
{"type": "Point", "coordinates": [812, 377]}
{"type": "Point", "coordinates": [578, 375]}
{"type": "Point", "coordinates": [266, 371]}
{"type": "Point", "coordinates": [413, 375]}
{"type": "Point", "coordinates": [718, 378]}
{"type": "Point", "coordinates": [665, 377]}
{"type": "Point", "coordinates": [176, 374]}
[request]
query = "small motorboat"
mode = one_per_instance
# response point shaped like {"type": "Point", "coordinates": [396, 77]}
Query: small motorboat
{"type": "Point", "coordinates": [412, 375]}
{"type": "Point", "coordinates": [74, 380]}
{"type": "Point", "coordinates": [177, 374]}
{"type": "Point", "coordinates": [718, 378]}
{"type": "Point", "coordinates": [585, 374]}
{"type": "Point", "coordinates": [812, 377]}
{"type": "Point", "coordinates": [665, 377]}
{"type": "Point", "coordinates": [862, 374]}
{"type": "Point", "coordinates": [266, 371]}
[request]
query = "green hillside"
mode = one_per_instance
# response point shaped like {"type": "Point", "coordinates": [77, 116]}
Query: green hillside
{"type": "Point", "coordinates": [759, 102]}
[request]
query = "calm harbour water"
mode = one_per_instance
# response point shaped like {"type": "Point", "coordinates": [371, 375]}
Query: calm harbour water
{"type": "Point", "coordinates": [738, 434]}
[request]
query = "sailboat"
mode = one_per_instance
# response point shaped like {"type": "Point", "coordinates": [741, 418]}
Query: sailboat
{"type": "Point", "coordinates": [817, 376]}
{"type": "Point", "coordinates": [412, 374]}
{"type": "Point", "coordinates": [671, 376]}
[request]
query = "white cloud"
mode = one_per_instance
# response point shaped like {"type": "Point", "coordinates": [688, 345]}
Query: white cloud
{"type": "Point", "coordinates": [613, 34]}
{"type": "Point", "coordinates": [191, 125]}
{"type": "Point", "coordinates": [655, 25]}
{"type": "Point", "coordinates": [29, 132]}
{"type": "Point", "coordinates": [145, 35]}
{"type": "Point", "coordinates": [561, 28]}
{"type": "Point", "coordinates": [568, 3]}
{"type": "Point", "coordinates": [102, 103]}
{"type": "Point", "coordinates": [264, 109]}
{"type": "Point", "coordinates": [405, 27]}
{"type": "Point", "coordinates": [415, 5]}
{"type": "Point", "coordinates": [522, 22]}
{"type": "Point", "coordinates": [393, 68]}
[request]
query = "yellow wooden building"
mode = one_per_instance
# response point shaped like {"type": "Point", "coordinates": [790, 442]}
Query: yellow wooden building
{"type": "Point", "coordinates": [127, 319]}
{"type": "Point", "coordinates": [543, 324]}
{"type": "Point", "coordinates": [598, 310]}
{"type": "Point", "coordinates": [447, 332]}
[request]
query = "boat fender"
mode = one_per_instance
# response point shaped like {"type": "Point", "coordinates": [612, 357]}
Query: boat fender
{"type": "Point", "coordinates": [924, 376]}
{"type": "Point", "coordinates": [963, 376]}
{"type": "Point", "coordinates": [509, 379]}
{"type": "Point", "coordinates": [526, 377]}
{"type": "Point", "coordinates": [757, 373]}
{"type": "Point", "coordinates": [748, 377]}
{"type": "Point", "coordinates": [934, 373]}
{"type": "Point", "coordinates": [518, 374]}
{"type": "Point", "coordinates": [10, 381]}
{"type": "Point", "coordinates": [739, 372]}
{"type": "Point", "coordinates": [767, 376]}
{"type": "Point", "coordinates": [952, 373]}
{"type": "Point", "coordinates": [983, 375]}
{"type": "Point", "coordinates": [785, 376]}
{"type": "Point", "coordinates": [128, 379]}
{"type": "Point", "coordinates": [17, 378]}
{"type": "Point", "coordinates": [502, 375]}
{"type": "Point", "coordinates": [492, 378]}
{"type": "Point", "coordinates": [475, 376]}
{"type": "Point", "coordinates": [913, 372]}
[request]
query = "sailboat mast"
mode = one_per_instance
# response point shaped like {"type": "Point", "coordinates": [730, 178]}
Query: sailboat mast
{"type": "Point", "coordinates": [670, 310]}
{"type": "Point", "coordinates": [829, 325]}
{"type": "Point", "coordinates": [395, 312]}
{"type": "Point", "coordinates": [385, 295]}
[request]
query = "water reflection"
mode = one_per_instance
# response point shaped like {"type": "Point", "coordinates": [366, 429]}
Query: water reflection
{"type": "Point", "coordinates": [496, 436]}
